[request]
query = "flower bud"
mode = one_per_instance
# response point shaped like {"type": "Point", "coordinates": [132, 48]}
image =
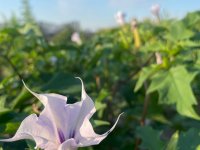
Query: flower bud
{"type": "Point", "coordinates": [134, 26]}
{"type": "Point", "coordinates": [158, 58]}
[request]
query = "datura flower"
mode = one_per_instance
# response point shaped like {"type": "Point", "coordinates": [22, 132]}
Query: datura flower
{"type": "Point", "coordinates": [61, 126]}
{"type": "Point", "coordinates": [75, 37]}
{"type": "Point", "coordinates": [155, 9]}
{"type": "Point", "coordinates": [120, 18]}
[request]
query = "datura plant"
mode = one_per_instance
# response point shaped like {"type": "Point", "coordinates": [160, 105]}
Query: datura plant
{"type": "Point", "coordinates": [60, 126]}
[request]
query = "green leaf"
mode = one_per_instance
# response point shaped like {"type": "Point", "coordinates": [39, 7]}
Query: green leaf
{"type": "Point", "coordinates": [192, 18]}
{"type": "Point", "coordinates": [146, 73]}
{"type": "Point", "coordinates": [101, 123]}
{"type": "Point", "coordinates": [31, 145]}
{"type": "Point", "coordinates": [63, 82]}
{"type": "Point", "coordinates": [99, 105]}
{"type": "Point", "coordinates": [102, 95]}
{"type": "Point", "coordinates": [174, 87]}
{"type": "Point", "coordinates": [23, 96]}
{"type": "Point", "coordinates": [172, 145]}
{"type": "Point", "coordinates": [177, 31]}
{"type": "Point", "coordinates": [3, 109]}
{"type": "Point", "coordinates": [189, 140]}
{"type": "Point", "coordinates": [150, 138]}
{"type": "Point", "coordinates": [12, 127]}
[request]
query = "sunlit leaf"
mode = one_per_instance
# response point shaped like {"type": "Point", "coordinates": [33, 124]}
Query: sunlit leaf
{"type": "Point", "coordinates": [145, 73]}
{"type": "Point", "coordinates": [174, 87]}
{"type": "Point", "coordinates": [172, 145]}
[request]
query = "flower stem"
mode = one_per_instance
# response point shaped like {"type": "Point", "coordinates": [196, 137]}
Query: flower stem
{"type": "Point", "coordinates": [144, 113]}
{"type": "Point", "coordinates": [146, 104]}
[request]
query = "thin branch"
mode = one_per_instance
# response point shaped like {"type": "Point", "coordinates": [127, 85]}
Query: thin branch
{"type": "Point", "coordinates": [13, 67]}
{"type": "Point", "coordinates": [146, 104]}
{"type": "Point", "coordinates": [144, 114]}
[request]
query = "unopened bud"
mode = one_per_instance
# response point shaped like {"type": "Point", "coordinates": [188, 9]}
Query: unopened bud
{"type": "Point", "coordinates": [136, 35]}
{"type": "Point", "coordinates": [158, 58]}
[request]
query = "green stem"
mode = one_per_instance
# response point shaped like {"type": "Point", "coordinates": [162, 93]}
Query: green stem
{"type": "Point", "coordinates": [146, 104]}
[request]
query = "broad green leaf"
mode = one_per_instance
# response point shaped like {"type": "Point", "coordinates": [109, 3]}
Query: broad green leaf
{"type": "Point", "coordinates": [189, 140]}
{"type": "Point", "coordinates": [145, 73]}
{"type": "Point", "coordinates": [153, 46]}
{"type": "Point", "coordinates": [12, 127]}
{"type": "Point", "coordinates": [192, 18]}
{"type": "Point", "coordinates": [63, 82]}
{"type": "Point", "coordinates": [198, 147]}
{"type": "Point", "coordinates": [150, 138]}
{"type": "Point", "coordinates": [177, 31]}
{"type": "Point", "coordinates": [172, 145]}
{"type": "Point", "coordinates": [174, 87]}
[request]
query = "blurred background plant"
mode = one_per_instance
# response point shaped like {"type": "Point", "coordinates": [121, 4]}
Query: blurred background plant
{"type": "Point", "coordinates": [147, 69]}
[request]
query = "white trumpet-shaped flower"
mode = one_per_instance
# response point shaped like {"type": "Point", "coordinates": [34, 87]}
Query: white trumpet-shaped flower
{"type": "Point", "coordinates": [61, 126]}
{"type": "Point", "coordinates": [155, 9]}
{"type": "Point", "coordinates": [76, 38]}
{"type": "Point", "coordinates": [120, 18]}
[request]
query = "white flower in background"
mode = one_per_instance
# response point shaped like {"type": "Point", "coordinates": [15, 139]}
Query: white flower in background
{"type": "Point", "coordinates": [120, 18]}
{"type": "Point", "coordinates": [53, 59]}
{"type": "Point", "coordinates": [158, 58]}
{"type": "Point", "coordinates": [76, 38]}
{"type": "Point", "coordinates": [155, 9]}
{"type": "Point", "coordinates": [61, 126]}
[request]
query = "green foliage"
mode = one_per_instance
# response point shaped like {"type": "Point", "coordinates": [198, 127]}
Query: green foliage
{"type": "Point", "coordinates": [172, 145]}
{"type": "Point", "coordinates": [174, 87]}
{"type": "Point", "coordinates": [181, 141]}
{"type": "Point", "coordinates": [150, 138]}
{"type": "Point", "coordinates": [185, 144]}
{"type": "Point", "coordinates": [160, 100]}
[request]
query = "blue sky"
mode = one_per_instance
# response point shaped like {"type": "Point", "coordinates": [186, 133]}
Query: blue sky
{"type": "Point", "coordinates": [94, 14]}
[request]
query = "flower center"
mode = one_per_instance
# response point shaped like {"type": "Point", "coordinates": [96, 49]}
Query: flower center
{"type": "Point", "coordinates": [61, 136]}
{"type": "Point", "coordinates": [72, 134]}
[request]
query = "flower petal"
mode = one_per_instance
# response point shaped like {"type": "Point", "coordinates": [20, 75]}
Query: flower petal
{"type": "Point", "coordinates": [87, 107]}
{"type": "Point", "coordinates": [89, 137]}
{"type": "Point", "coordinates": [54, 112]}
{"type": "Point", "coordinates": [84, 133]}
{"type": "Point", "coordinates": [68, 145]}
{"type": "Point", "coordinates": [76, 113]}
{"type": "Point", "coordinates": [35, 129]}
